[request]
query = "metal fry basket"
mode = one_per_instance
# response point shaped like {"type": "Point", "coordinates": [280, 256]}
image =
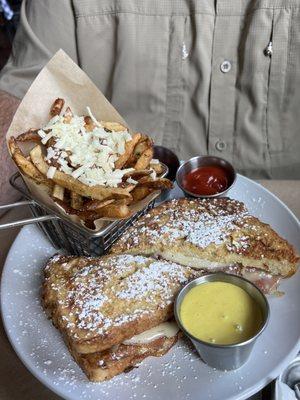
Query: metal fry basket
{"type": "Point", "coordinates": [63, 233]}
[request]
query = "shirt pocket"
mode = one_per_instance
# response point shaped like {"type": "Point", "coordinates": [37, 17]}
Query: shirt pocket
{"type": "Point", "coordinates": [279, 126]}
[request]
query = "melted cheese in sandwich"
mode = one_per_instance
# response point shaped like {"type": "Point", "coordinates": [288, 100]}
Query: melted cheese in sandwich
{"type": "Point", "coordinates": [165, 329]}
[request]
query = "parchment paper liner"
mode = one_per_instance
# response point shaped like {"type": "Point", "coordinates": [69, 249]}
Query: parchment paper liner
{"type": "Point", "coordinates": [61, 77]}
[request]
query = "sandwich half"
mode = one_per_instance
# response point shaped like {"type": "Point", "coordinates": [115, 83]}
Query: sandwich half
{"type": "Point", "coordinates": [112, 311]}
{"type": "Point", "coordinates": [101, 366]}
{"type": "Point", "coordinates": [213, 235]}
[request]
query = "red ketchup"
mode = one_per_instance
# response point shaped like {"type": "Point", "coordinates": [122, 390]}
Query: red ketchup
{"type": "Point", "coordinates": [206, 180]}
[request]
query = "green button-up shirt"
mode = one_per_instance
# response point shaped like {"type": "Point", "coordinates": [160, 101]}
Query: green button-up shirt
{"type": "Point", "coordinates": [218, 77]}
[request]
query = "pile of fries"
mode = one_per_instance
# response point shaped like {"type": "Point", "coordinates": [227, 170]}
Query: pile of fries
{"type": "Point", "coordinates": [140, 174]}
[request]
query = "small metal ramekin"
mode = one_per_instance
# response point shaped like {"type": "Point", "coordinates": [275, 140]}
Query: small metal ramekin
{"type": "Point", "coordinates": [205, 161]}
{"type": "Point", "coordinates": [231, 356]}
{"type": "Point", "coordinates": [169, 158]}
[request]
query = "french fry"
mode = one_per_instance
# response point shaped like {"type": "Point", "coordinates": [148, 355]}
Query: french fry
{"type": "Point", "coordinates": [89, 123]}
{"type": "Point", "coordinates": [136, 175]}
{"type": "Point", "coordinates": [76, 200]}
{"type": "Point", "coordinates": [126, 185]}
{"type": "Point", "coordinates": [139, 193]}
{"type": "Point", "coordinates": [131, 161]}
{"type": "Point", "coordinates": [67, 207]}
{"type": "Point", "coordinates": [126, 201]}
{"type": "Point", "coordinates": [161, 183]}
{"type": "Point", "coordinates": [93, 205]}
{"type": "Point", "coordinates": [25, 165]}
{"type": "Point", "coordinates": [145, 158]}
{"type": "Point", "coordinates": [118, 210]}
{"type": "Point", "coordinates": [158, 168]}
{"type": "Point", "coordinates": [145, 143]}
{"type": "Point", "coordinates": [129, 146]}
{"type": "Point", "coordinates": [84, 215]}
{"type": "Point", "coordinates": [113, 126]}
{"type": "Point", "coordinates": [58, 192]}
{"type": "Point", "coordinates": [29, 136]}
{"type": "Point", "coordinates": [145, 179]}
{"type": "Point", "coordinates": [67, 181]}
{"type": "Point", "coordinates": [56, 107]}
{"type": "Point", "coordinates": [115, 211]}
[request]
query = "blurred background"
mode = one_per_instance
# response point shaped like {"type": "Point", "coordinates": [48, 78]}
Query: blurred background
{"type": "Point", "coordinates": [9, 19]}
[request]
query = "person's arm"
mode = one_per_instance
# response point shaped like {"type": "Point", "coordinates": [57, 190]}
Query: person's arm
{"type": "Point", "coordinates": [8, 107]}
{"type": "Point", "coordinates": [45, 26]}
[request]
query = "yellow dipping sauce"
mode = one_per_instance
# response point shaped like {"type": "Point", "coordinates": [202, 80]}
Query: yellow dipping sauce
{"type": "Point", "coordinates": [221, 313]}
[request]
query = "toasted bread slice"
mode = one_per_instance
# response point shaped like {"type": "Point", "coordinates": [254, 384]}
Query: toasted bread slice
{"type": "Point", "coordinates": [105, 365]}
{"type": "Point", "coordinates": [209, 234]}
{"type": "Point", "coordinates": [100, 302]}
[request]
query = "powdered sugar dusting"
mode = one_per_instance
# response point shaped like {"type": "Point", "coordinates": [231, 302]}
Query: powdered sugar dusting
{"type": "Point", "coordinates": [199, 222]}
{"type": "Point", "coordinates": [146, 283]}
{"type": "Point", "coordinates": [100, 292]}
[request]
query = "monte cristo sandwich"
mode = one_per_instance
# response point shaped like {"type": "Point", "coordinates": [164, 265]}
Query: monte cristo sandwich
{"type": "Point", "coordinates": [213, 235]}
{"type": "Point", "coordinates": [115, 310]}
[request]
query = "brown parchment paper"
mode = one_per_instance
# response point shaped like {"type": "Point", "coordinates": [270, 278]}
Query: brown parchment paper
{"type": "Point", "coordinates": [61, 77]}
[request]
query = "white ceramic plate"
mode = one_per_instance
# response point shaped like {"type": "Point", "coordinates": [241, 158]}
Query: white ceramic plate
{"type": "Point", "coordinates": [180, 374]}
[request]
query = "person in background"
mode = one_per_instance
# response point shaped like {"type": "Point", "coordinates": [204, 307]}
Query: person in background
{"type": "Point", "coordinates": [219, 77]}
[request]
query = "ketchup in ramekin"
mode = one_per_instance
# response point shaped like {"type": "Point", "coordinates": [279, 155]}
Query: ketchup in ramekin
{"type": "Point", "coordinates": [205, 176]}
{"type": "Point", "coordinates": [206, 180]}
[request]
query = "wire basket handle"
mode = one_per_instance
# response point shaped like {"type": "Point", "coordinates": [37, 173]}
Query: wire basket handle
{"type": "Point", "coordinates": [25, 221]}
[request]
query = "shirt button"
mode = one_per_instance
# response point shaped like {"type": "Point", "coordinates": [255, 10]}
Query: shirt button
{"type": "Point", "coordinates": [225, 66]}
{"type": "Point", "coordinates": [220, 145]}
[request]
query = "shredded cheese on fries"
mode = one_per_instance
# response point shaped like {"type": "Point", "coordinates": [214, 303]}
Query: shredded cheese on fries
{"type": "Point", "coordinates": [88, 156]}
